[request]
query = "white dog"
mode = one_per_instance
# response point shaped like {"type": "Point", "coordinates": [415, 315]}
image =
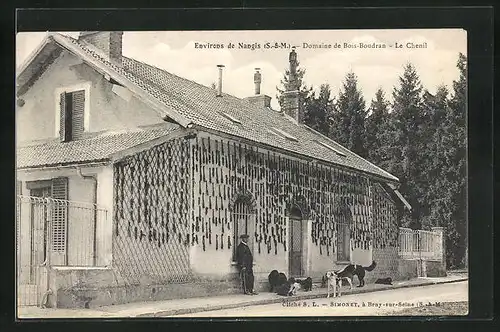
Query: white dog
{"type": "Point", "coordinates": [333, 283]}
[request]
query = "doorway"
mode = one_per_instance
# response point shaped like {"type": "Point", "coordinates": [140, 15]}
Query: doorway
{"type": "Point", "coordinates": [296, 265]}
{"type": "Point", "coordinates": [343, 242]}
{"type": "Point", "coordinates": [38, 230]}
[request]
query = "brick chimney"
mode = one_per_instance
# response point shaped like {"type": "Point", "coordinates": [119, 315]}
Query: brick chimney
{"type": "Point", "coordinates": [258, 99]}
{"type": "Point", "coordinates": [109, 42]}
{"type": "Point", "coordinates": [290, 105]}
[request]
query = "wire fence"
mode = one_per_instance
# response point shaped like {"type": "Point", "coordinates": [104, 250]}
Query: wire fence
{"type": "Point", "coordinates": [151, 229]}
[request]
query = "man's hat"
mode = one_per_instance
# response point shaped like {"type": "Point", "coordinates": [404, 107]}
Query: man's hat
{"type": "Point", "coordinates": [244, 236]}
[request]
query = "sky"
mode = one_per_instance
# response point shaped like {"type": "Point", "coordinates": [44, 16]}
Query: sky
{"type": "Point", "coordinates": [176, 52]}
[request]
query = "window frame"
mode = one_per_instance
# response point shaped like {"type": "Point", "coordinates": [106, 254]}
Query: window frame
{"type": "Point", "coordinates": [250, 222]}
{"type": "Point", "coordinates": [86, 86]}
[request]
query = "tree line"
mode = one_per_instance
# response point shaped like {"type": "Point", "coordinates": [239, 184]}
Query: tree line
{"type": "Point", "coordinates": [419, 137]}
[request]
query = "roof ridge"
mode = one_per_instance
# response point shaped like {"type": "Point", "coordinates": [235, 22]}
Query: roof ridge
{"type": "Point", "coordinates": [191, 103]}
{"type": "Point", "coordinates": [188, 80]}
{"type": "Point", "coordinates": [167, 72]}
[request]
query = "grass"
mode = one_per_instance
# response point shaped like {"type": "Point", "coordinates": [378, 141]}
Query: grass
{"type": "Point", "coordinates": [443, 309]}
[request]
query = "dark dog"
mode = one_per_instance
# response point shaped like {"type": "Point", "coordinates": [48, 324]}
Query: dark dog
{"type": "Point", "coordinates": [352, 270]}
{"type": "Point", "coordinates": [275, 280]}
{"type": "Point", "coordinates": [384, 281]}
{"type": "Point", "coordinates": [305, 284]}
{"type": "Point", "coordinates": [289, 288]}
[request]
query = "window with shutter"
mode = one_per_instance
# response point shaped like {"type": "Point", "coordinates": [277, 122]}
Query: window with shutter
{"type": "Point", "coordinates": [72, 115]}
{"type": "Point", "coordinates": [59, 220]}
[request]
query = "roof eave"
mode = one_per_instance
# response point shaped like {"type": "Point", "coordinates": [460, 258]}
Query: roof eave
{"type": "Point", "coordinates": [71, 164]}
{"type": "Point", "coordinates": [22, 68]}
{"type": "Point", "coordinates": [177, 133]}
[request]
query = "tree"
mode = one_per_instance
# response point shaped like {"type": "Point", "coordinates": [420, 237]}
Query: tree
{"type": "Point", "coordinates": [454, 170]}
{"type": "Point", "coordinates": [377, 131]}
{"type": "Point", "coordinates": [349, 116]}
{"type": "Point", "coordinates": [319, 109]}
{"type": "Point", "coordinates": [406, 161]}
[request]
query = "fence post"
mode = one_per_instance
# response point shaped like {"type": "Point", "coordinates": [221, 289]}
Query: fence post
{"type": "Point", "coordinates": [406, 241]}
{"type": "Point", "coordinates": [442, 244]}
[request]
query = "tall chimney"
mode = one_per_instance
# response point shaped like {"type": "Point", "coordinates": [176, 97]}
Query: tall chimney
{"type": "Point", "coordinates": [290, 105]}
{"type": "Point", "coordinates": [109, 42]}
{"type": "Point", "coordinates": [257, 79]}
{"type": "Point", "coordinates": [258, 99]}
{"type": "Point", "coordinates": [219, 86]}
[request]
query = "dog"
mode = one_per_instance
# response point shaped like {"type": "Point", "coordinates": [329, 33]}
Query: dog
{"type": "Point", "coordinates": [305, 284]}
{"type": "Point", "coordinates": [276, 279]}
{"type": "Point", "coordinates": [351, 270]}
{"type": "Point", "coordinates": [285, 288]}
{"type": "Point", "coordinates": [273, 279]}
{"type": "Point", "coordinates": [333, 281]}
{"type": "Point", "coordinates": [384, 281]}
{"type": "Point", "coordinates": [289, 288]}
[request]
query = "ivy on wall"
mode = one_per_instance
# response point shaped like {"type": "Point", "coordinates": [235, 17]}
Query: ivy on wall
{"type": "Point", "coordinates": [181, 193]}
{"type": "Point", "coordinates": [329, 196]}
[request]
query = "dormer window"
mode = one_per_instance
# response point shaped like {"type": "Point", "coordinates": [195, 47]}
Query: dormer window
{"type": "Point", "coordinates": [283, 134]}
{"type": "Point", "coordinates": [231, 118]}
{"type": "Point", "coordinates": [72, 113]}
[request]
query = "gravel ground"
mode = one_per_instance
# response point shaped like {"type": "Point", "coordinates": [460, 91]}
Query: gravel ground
{"type": "Point", "coordinates": [443, 309]}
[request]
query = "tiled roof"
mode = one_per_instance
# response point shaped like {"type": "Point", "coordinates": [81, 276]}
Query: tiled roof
{"type": "Point", "coordinates": [200, 106]}
{"type": "Point", "coordinates": [92, 148]}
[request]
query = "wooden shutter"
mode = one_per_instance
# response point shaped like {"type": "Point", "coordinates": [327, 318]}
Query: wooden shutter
{"type": "Point", "coordinates": [78, 110]}
{"type": "Point", "coordinates": [19, 186]}
{"type": "Point", "coordinates": [59, 221]}
{"type": "Point", "coordinates": [62, 117]}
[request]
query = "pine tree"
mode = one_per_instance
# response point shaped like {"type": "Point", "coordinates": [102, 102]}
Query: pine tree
{"type": "Point", "coordinates": [319, 109]}
{"type": "Point", "coordinates": [434, 111]}
{"type": "Point", "coordinates": [377, 131]}
{"type": "Point", "coordinates": [406, 161]}
{"type": "Point", "coordinates": [349, 117]}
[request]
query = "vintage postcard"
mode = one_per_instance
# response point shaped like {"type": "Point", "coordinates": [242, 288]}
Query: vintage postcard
{"type": "Point", "coordinates": [241, 173]}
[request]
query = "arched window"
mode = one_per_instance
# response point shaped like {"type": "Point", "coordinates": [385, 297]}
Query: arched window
{"type": "Point", "coordinates": [243, 222]}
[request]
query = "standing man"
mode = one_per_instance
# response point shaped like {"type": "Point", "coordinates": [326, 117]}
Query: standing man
{"type": "Point", "coordinates": [244, 259]}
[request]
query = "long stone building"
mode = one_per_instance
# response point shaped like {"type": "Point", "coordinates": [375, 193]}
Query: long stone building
{"type": "Point", "coordinates": [169, 173]}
